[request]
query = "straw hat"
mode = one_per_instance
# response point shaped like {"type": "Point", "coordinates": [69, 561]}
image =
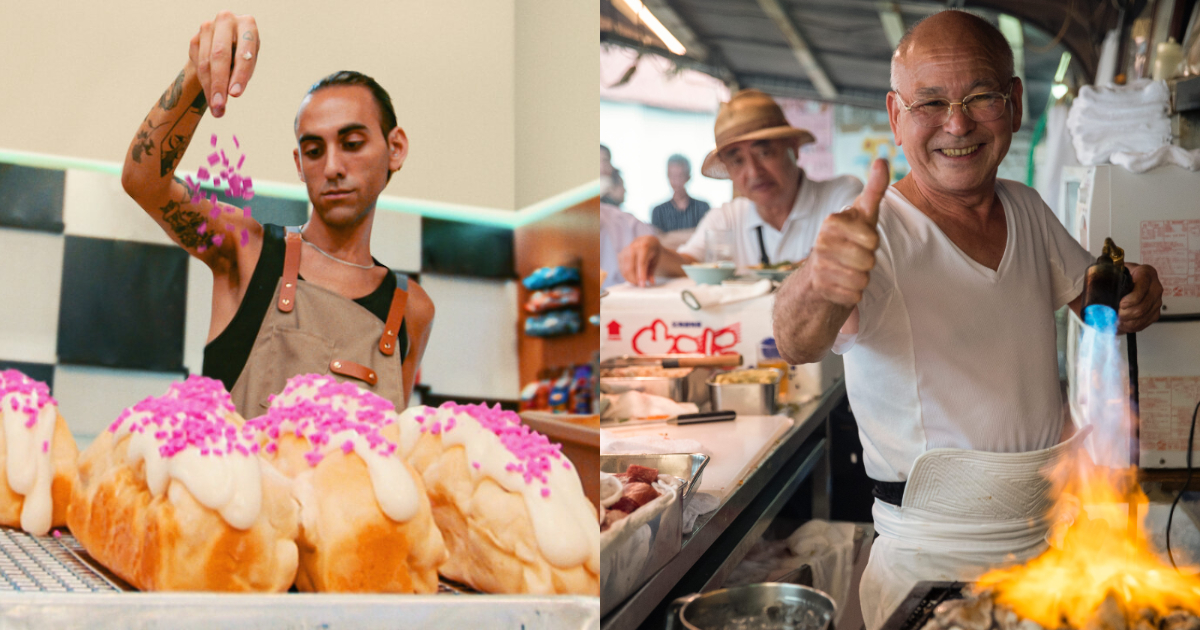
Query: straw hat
{"type": "Point", "coordinates": [749, 115]}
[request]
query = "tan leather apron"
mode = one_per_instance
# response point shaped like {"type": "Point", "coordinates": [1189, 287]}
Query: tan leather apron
{"type": "Point", "coordinates": [327, 334]}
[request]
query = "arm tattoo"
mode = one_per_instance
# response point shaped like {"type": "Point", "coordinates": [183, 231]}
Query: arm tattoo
{"type": "Point", "coordinates": [170, 98]}
{"type": "Point", "coordinates": [176, 143]}
{"type": "Point", "coordinates": [185, 223]}
{"type": "Point", "coordinates": [144, 143]}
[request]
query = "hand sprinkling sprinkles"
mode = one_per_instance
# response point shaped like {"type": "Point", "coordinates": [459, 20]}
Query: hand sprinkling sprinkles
{"type": "Point", "coordinates": [228, 179]}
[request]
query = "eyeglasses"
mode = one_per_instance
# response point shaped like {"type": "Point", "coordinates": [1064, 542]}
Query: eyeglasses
{"type": "Point", "coordinates": [981, 107]}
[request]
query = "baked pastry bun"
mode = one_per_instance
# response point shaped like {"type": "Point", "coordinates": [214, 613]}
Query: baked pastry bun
{"type": "Point", "coordinates": [37, 456]}
{"type": "Point", "coordinates": [509, 504]}
{"type": "Point", "coordinates": [366, 523]}
{"type": "Point", "coordinates": [173, 496]}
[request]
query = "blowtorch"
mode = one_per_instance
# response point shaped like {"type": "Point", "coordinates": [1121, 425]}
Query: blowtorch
{"type": "Point", "coordinates": [1108, 281]}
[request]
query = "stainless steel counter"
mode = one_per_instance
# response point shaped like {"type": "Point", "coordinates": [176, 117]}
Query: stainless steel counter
{"type": "Point", "coordinates": [722, 537]}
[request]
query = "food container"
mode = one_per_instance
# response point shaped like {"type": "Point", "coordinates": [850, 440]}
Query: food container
{"type": "Point", "coordinates": [747, 399]}
{"type": "Point", "coordinates": [687, 466]}
{"type": "Point", "coordinates": [672, 383]}
{"type": "Point", "coordinates": [756, 605]}
{"type": "Point", "coordinates": [637, 546]}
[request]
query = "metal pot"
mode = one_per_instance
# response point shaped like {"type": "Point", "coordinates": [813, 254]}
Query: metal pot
{"type": "Point", "coordinates": [715, 609]}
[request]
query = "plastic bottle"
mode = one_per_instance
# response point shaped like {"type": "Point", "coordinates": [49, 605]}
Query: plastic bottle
{"type": "Point", "coordinates": [1166, 60]}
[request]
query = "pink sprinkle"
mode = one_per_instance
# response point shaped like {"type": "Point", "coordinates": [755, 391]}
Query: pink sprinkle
{"type": "Point", "coordinates": [216, 181]}
{"type": "Point", "coordinates": [271, 448]}
{"type": "Point", "coordinates": [214, 140]}
{"type": "Point", "coordinates": [347, 446]}
{"type": "Point", "coordinates": [247, 193]}
{"type": "Point", "coordinates": [567, 465]}
{"type": "Point", "coordinates": [224, 160]}
{"type": "Point", "coordinates": [57, 534]}
{"type": "Point", "coordinates": [213, 158]}
{"type": "Point", "coordinates": [215, 212]}
{"type": "Point", "coordinates": [201, 248]}
{"type": "Point", "coordinates": [236, 144]}
{"type": "Point", "coordinates": [196, 197]}
{"type": "Point", "coordinates": [546, 492]}
{"type": "Point", "coordinates": [313, 457]}
{"type": "Point", "coordinates": [30, 422]}
{"type": "Point", "coordinates": [217, 239]}
{"type": "Point", "coordinates": [202, 173]}
{"type": "Point", "coordinates": [203, 228]}
{"type": "Point", "coordinates": [476, 465]}
{"type": "Point", "coordinates": [245, 237]}
{"type": "Point", "coordinates": [246, 212]}
{"type": "Point", "coordinates": [45, 447]}
{"type": "Point", "coordinates": [240, 160]}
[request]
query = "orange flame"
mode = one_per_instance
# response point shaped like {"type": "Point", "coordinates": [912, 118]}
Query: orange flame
{"type": "Point", "coordinates": [1093, 556]}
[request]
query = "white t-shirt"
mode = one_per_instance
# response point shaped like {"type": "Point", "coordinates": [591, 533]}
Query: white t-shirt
{"type": "Point", "coordinates": [617, 230]}
{"type": "Point", "coordinates": [950, 354]}
{"type": "Point", "coordinates": [817, 200]}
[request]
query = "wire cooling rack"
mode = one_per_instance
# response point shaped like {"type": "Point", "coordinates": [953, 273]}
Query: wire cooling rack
{"type": "Point", "coordinates": [53, 564]}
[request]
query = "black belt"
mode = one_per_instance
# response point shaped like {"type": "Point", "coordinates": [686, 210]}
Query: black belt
{"type": "Point", "coordinates": [889, 491]}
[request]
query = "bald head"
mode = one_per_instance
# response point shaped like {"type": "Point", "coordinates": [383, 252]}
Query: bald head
{"type": "Point", "coordinates": [952, 29]}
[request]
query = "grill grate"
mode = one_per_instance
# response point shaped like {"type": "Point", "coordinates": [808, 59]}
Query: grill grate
{"type": "Point", "coordinates": [48, 564]}
{"type": "Point", "coordinates": [917, 609]}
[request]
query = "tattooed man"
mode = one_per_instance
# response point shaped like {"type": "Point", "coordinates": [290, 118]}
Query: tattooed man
{"type": "Point", "coordinates": [287, 301]}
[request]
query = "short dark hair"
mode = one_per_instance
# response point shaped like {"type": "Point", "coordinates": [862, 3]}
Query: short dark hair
{"type": "Point", "coordinates": [387, 113]}
{"type": "Point", "coordinates": [680, 160]}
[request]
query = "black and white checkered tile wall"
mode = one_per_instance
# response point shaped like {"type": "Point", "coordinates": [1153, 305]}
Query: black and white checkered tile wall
{"type": "Point", "coordinates": [98, 302]}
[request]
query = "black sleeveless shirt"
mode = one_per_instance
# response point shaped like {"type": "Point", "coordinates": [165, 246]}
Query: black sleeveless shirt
{"type": "Point", "coordinates": [226, 356]}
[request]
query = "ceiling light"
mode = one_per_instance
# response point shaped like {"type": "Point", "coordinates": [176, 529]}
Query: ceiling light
{"type": "Point", "coordinates": [652, 22]}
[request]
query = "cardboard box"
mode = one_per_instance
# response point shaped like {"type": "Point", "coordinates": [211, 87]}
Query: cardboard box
{"type": "Point", "coordinates": [656, 320]}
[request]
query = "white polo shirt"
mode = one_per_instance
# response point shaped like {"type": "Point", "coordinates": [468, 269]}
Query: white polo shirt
{"type": "Point", "coordinates": [817, 200]}
{"type": "Point", "coordinates": [951, 354]}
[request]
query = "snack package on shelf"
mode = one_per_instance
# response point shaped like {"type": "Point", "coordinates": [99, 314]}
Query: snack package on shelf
{"type": "Point", "coordinates": [547, 277]}
{"type": "Point", "coordinates": [553, 324]}
{"type": "Point", "coordinates": [581, 390]}
{"type": "Point", "coordinates": [550, 299]}
{"type": "Point", "coordinates": [560, 394]}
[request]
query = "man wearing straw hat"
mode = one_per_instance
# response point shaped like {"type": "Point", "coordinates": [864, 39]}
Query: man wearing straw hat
{"type": "Point", "coordinates": [777, 218]}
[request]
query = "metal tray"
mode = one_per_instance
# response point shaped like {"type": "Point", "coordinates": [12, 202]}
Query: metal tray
{"type": "Point", "coordinates": [675, 388]}
{"type": "Point", "coordinates": [687, 466]}
{"type": "Point", "coordinates": [747, 399]}
{"type": "Point", "coordinates": [630, 556]}
{"type": "Point", "coordinates": [51, 582]}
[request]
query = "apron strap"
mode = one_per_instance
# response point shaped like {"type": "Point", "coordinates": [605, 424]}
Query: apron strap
{"type": "Point", "coordinates": [291, 271]}
{"type": "Point", "coordinates": [391, 327]}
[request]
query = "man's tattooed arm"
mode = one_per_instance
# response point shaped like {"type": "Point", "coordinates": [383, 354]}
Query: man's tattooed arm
{"type": "Point", "coordinates": [185, 222]}
{"type": "Point", "coordinates": [176, 143]}
{"type": "Point", "coordinates": [170, 98]}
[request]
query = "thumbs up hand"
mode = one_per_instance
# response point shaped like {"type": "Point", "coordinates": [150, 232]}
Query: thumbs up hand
{"type": "Point", "coordinates": [844, 254]}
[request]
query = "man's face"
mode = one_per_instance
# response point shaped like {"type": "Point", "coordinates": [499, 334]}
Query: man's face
{"type": "Point", "coordinates": [764, 170]}
{"type": "Point", "coordinates": [963, 155]}
{"type": "Point", "coordinates": [677, 175]}
{"type": "Point", "coordinates": [342, 155]}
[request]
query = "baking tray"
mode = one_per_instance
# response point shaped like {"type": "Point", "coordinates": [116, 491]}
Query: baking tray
{"type": "Point", "coordinates": [646, 541]}
{"type": "Point", "coordinates": [51, 582]}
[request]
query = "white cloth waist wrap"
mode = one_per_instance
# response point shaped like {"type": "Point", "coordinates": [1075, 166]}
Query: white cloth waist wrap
{"type": "Point", "coordinates": [964, 512]}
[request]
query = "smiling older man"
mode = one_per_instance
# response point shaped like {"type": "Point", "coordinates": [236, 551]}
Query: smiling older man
{"type": "Point", "coordinates": [941, 292]}
{"type": "Point", "coordinates": [778, 218]}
